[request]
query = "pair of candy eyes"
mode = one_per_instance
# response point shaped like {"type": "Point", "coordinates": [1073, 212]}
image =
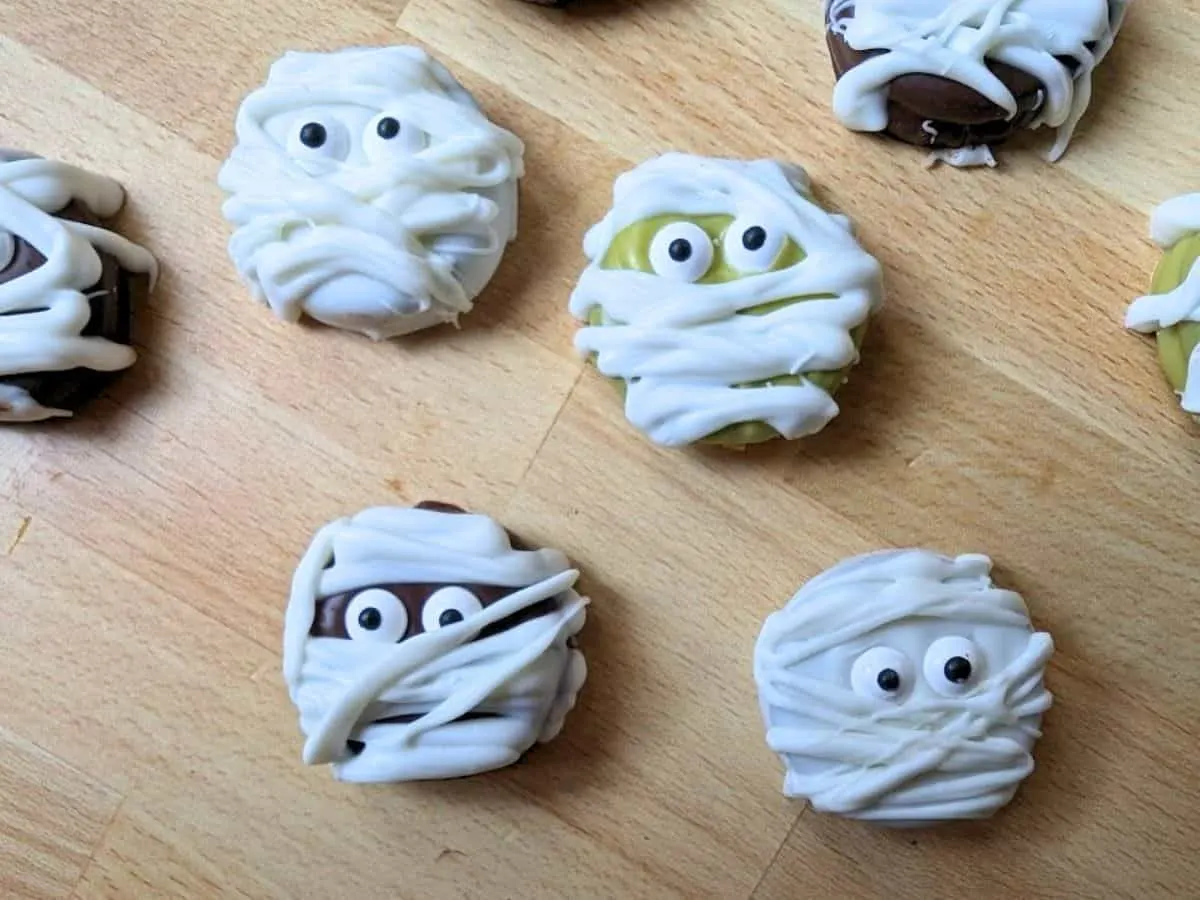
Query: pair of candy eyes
{"type": "Point", "coordinates": [385, 135]}
{"type": "Point", "coordinates": [380, 616]}
{"type": "Point", "coordinates": [951, 667]}
{"type": "Point", "coordinates": [683, 251]}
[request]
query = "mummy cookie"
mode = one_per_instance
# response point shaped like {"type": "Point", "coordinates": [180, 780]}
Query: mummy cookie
{"type": "Point", "coordinates": [959, 77]}
{"type": "Point", "coordinates": [1172, 309]}
{"type": "Point", "coordinates": [428, 643]}
{"type": "Point", "coordinates": [903, 688]}
{"type": "Point", "coordinates": [68, 287]}
{"type": "Point", "coordinates": [728, 305]}
{"type": "Point", "coordinates": [369, 191]}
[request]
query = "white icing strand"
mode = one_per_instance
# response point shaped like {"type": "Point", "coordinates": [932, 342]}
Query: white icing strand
{"type": "Point", "coordinates": [929, 755]}
{"type": "Point", "coordinates": [1175, 220]}
{"type": "Point", "coordinates": [955, 39]}
{"type": "Point", "coordinates": [384, 240]}
{"type": "Point", "coordinates": [963, 157]}
{"type": "Point", "coordinates": [681, 347]}
{"type": "Point", "coordinates": [17, 405]}
{"type": "Point", "coordinates": [43, 313]}
{"type": "Point", "coordinates": [526, 677]}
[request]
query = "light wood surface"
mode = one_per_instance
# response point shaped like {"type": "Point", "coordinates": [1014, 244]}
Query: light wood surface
{"type": "Point", "coordinates": [147, 746]}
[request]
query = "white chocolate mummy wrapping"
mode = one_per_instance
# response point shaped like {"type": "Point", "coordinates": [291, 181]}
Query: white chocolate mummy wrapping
{"type": "Point", "coordinates": [525, 678]}
{"type": "Point", "coordinates": [1171, 222]}
{"type": "Point", "coordinates": [396, 219]}
{"type": "Point", "coordinates": [854, 679]}
{"type": "Point", "coordinates": [954, 39]}
{"type": "Point", "coordinates": [681, 347]}
{"type": "Point", "coordinates": [44, 312]}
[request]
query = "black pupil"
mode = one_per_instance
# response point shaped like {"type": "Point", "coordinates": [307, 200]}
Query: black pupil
{"type": "Point", "coordinates": [313, 135]}
{"type": "Point", "coordinates": [680, 250]}
{"type": "Point", "coordinates": [388, 128]}
{"type": "Point", "coordinates": [370, 618]}
{"type": "Point", "coordinates": [449, 617]}
{"type": "Point", "coordinates": [958, 669]}
{"type": "Point", "coordinates": [888, 680]}
{"type": "Point", "coordinates": [754, 238]}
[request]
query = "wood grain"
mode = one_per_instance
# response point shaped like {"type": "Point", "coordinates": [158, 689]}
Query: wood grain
{"type": "Point", "coordinates": [147, 747]}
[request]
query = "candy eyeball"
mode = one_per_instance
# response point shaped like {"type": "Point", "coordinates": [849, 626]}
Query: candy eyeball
{"type": "Point", "coordinates": [681, 251]}
{"type": "Point", "coordinates": [376, 615]}
{"type": "Point", "coordinates": [388, 136]}
{"type": "Point", "coordinates": [323, 138]}
{"type": "Point", "coordinates": [882, 673]}
{"type": "Point", "coordinates": [752, 246]}
{"type": "Point", "coordinates": [952, 666]}
{"type": "Point", "coordinates": [449, 606]}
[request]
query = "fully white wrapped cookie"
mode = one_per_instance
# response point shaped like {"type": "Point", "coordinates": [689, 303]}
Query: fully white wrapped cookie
{"type": "Point", "coordinates": [369, 191]}
{"type": "Point", "coordinates": [428, 643]}
{"type": "Point", "coordinates": [904, 688]}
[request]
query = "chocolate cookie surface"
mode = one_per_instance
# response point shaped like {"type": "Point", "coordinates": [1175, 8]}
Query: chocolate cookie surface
{"type": "Point", "coordinates": [937, 75]}
{"type": "Point", "coordinates": [68, 288]}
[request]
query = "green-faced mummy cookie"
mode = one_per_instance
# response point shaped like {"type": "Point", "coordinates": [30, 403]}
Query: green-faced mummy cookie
{"type": "Point", "coordinates": [1173, 307]}
{"type": "Point", "coordinates": [369, 191]}
{"type": "Point", "coordinates": [903, 688]}
{"type": "Point", "coordinates": [726, 302]}
{"type": "Point", "coordinates": [429, 643]}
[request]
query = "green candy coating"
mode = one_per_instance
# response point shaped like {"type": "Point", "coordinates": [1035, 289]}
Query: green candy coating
{"type": "Point", "coordinates": [630, 251]}
{"type": "Point", "coordinates": [1176, 342]}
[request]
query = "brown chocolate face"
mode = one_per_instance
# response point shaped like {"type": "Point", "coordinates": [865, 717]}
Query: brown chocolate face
{"type": "Point", "coordinates": [931, 111]}
{"type": "Point", "coordinates": [112, 299]}
{"type": "Point", "coordinates": [397, 612]}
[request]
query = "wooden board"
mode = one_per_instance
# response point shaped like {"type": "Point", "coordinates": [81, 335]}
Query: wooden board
{"type": "Point", "coordinates": [147, 747]}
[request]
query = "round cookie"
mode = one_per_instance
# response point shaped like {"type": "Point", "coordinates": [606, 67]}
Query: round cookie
{"type": "Point", "coordinates": [427, 643]}
{"type": "Point", "coordinates": [726, 303]}
{"type": "Point", "coordinates": [369, 191]}
{"type": "Point", "coordinates": [962, 76]}
{"type": "Point", "coordinates": [903, 688]}
{"type": "Point", "coordinates": [68, 287]}
{"type": "Point", "coordinates": [1172, 309]}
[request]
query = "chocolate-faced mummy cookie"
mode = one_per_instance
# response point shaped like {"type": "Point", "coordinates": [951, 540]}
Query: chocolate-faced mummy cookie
{"type": "Point", "coordinates": [68, 287]}
{"type": "Point", "coordinates": [904, 688]}
{"type": "Point", "coordinates": [1172, 309]}
{"type": "Point", "coordinates": [958, 76]}
{"type": "Point", "coordinates": [369, 191]}
{"type": "Point", "coordinates": [727, 303]}
{"type": "Point", "coordinates": [428, 643]}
